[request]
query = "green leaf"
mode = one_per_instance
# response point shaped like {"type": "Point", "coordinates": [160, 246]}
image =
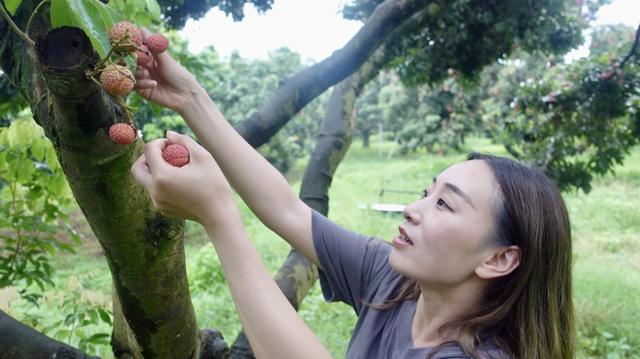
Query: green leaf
{"type": "Point", "coordinates": [3, 137]}
{"type": "Point", "coordinates": [91, 16]}
{"type": "Point", "coordinates": [52, 159]}
{"type": "Point", "coordinates": [109, 14]}
{"type": "Point", "coordinates": [12, 5]}
{"type": "Point", "coordinates": [18, 134]}
{"type": "Point", "coordinates": [100, 338]}
{"type": "Point", "coordinates": [38, 149]}
{"type": "Point", "coordinates": [153, 8]}
{"type": "Point", "coordinates": [57, 185]}
{"type": "Point", "coordinates": [104, 315]}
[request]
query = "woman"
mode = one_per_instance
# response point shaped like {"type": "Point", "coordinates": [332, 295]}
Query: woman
{"type": "Point", "coordinates": [481, 265]}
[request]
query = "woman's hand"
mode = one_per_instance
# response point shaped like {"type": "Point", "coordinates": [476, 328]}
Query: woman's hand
{"type": "Point", "coordinates": [197, 191]}
{"type": "Point", "coordinates": [165, 82]}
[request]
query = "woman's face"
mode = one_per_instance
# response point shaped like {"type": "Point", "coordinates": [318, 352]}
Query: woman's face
{"type": "Point", "coordinates": [444, 236]}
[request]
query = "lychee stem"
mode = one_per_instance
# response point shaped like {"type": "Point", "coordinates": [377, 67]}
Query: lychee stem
{"type": "Point", "coordinates": [126, 111]}
{"type": "Point", "coordinates": [101, 63]}
{"type": "Point", "coordinates": [26, 30]}
{"type": "Point", "coordinates": [96, 81]}
{"type": "Point", "coordinates": [107, 57]}
{"type": "Point", "coordinates": [15, 28]}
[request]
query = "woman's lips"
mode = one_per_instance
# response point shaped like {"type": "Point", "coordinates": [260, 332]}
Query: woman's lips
{"type": "Point", "coordinates": [402, 239]}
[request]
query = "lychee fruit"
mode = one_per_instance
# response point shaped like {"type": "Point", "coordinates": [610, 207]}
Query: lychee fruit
{"type": "Point", "coordinates": [125, 37]}
{"type": "Point", "coordinates": [176, 155]}
{"type": "Point", "coordinates": [606, 75]}
{"type": "Point", "coordinates": [157, 43]}
{"type": "Point", "coordinates": [144, 56]}
{"type": "Point", "coordinates": [117, 80]}
{"type": "Point", "coordinates": [122, 133]}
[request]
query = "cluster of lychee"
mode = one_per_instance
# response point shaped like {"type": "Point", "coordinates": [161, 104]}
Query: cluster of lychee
{"type": "Point", "coordinates": [117, 79]}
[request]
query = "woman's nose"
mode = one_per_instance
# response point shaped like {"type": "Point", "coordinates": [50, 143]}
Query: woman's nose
{"type": "Point", "coordinates": [411, 213]}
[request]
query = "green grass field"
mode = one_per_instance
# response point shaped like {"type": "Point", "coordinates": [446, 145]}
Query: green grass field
{"type": "Point", "coordinates": [606, 231]}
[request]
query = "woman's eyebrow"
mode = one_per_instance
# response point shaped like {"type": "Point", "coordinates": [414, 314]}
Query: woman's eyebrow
{"type": "Point", "coordinates": [455, 189]}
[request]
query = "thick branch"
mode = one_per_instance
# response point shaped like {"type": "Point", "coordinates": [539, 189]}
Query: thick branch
{"type": "Point", "coordinates": [303, 87]}
{"type": "Point", "coordinates": [634, 48]}
{"type": "Point", "coordinates": [19, 341]}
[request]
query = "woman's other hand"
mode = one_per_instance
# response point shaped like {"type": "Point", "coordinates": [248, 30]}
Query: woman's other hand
{"type": "Point", "coordinates": [197, 191]}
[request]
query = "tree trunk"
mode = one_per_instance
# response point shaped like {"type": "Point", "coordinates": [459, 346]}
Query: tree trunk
{"type": "Point", "coordinates": [366, 134]}
{"type": "Point", "coordinates": [19, 341]}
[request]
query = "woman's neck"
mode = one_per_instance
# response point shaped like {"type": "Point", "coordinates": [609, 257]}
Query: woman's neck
{"type": "Point", "coordinates": [437, 307]}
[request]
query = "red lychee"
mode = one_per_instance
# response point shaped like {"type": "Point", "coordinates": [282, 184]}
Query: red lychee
{"type": "Point", "coordinates": [118, 80]}
{"type": "Point", "coordinates": [157, 43]}
{"type": "Point", "coordinates": [176, 155]}
{"type": "Point", "coordinates": [118, 37]}
{"type": "Point", "coordinates": [122, 133]}
{"type": "Point", "coordinates": [606, 75]}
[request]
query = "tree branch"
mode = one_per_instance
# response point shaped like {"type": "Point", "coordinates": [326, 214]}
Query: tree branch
{"type": "Point", "coordinates": [634, 48]}
{"type": "Point", "coordinates": [13, 26]}
{"type": "Point", "coordinates": [18, 340]}
{"type": "Point", "coordinates": [304, 86]}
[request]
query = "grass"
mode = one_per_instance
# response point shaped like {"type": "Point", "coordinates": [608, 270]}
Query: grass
{"type": "Point", "coordinates": [606, 232]}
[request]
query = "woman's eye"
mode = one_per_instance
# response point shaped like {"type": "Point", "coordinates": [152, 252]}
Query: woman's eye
{"type": "Point", "coordinates": [441, 202]}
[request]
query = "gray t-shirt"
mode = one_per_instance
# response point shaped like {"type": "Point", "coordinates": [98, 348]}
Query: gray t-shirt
{"type": "Point", "coordinates": [356, 271]}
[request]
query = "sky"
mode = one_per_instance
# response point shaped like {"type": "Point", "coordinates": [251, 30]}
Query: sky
{"type": "Point", "coordinates": [315, 28]}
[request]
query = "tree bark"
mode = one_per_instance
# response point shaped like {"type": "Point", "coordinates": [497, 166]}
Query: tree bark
{"type": "Point", "coordinates": [335, 135]}
{"type": "Point", "coordinates": [19, 341]}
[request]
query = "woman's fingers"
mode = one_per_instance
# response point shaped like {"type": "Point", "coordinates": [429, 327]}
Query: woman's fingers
{"type": "Point", "coordinates": [153, 154]}
{"type": "Point", "coordinates": [141, 172]}
{"type": "Point", "coordinates": [146, 84]}
{"type": "Point", "coordinates": [142, 73]}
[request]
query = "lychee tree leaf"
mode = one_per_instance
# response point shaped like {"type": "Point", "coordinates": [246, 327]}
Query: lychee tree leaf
{"type": "Point", "coordinates": [12, 6]}
{"type": "Point", "coordinates": [18, 134]}
{"type": "Point", "coordinates": [51, 159]}
{"type": "Point", "coordinates": [153, 8]}
{"type": "Point", "coordinates": [92, 16]}
{"type": "Point", "coordinates": [108, 13]}
{"type": "Point", "coordinates": [38, 149]}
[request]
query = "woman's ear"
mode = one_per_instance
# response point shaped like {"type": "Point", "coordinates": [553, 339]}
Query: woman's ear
{"type": "Point", "coordinates": [499, 263]}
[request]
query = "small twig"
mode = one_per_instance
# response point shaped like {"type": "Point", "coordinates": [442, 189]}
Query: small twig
{"type": "Point", "coordinates": [13, 26]}
{"type": "Point", "coordinates": [633, 48]}
{"type": "Point", "coordinates": [126, 111]}
{"type": "Point", "coordinates": [98, 66]}
{"type": "Point", "coordinates": [96, 81]}
{"type": "Point", "coordinates": [26, 30]}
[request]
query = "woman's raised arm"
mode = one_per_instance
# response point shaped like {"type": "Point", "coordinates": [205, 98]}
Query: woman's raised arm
{"type": "Point", "coordinates": [260, 185]}
{"type": "Point", "coordinates": [199, 191]}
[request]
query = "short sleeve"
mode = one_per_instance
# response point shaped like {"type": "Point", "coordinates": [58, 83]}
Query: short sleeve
{"type": "Point", "coordinates": [353, 265]}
